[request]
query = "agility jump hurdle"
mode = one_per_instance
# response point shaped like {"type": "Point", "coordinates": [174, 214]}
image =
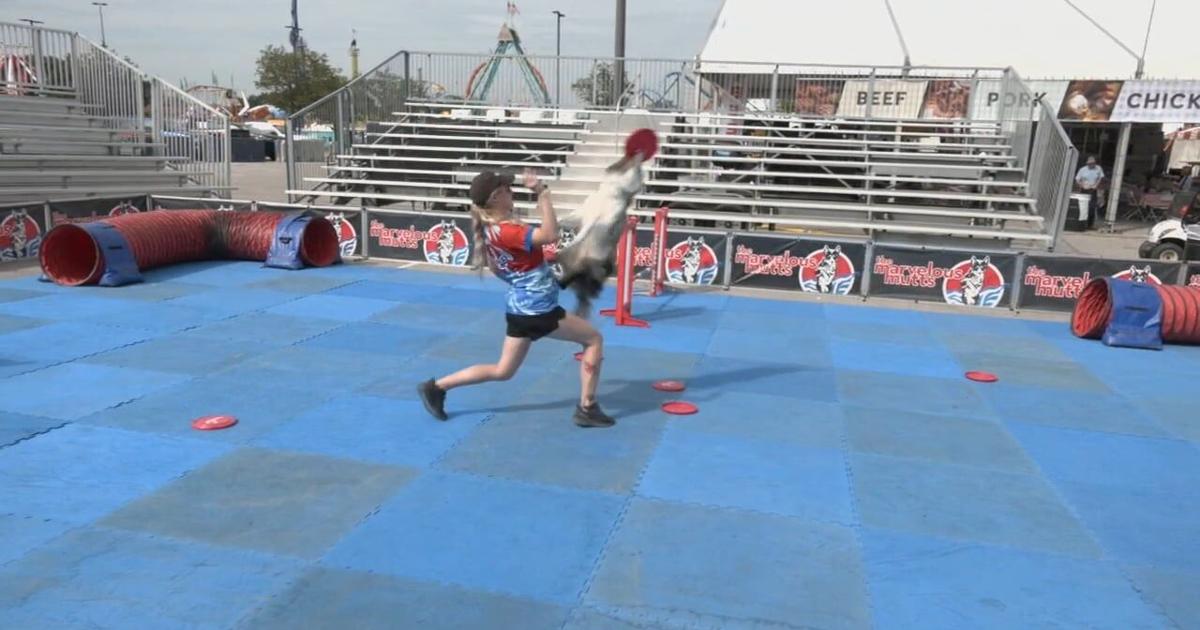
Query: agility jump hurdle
{"type": "Point", "coordinates": [622, 312]}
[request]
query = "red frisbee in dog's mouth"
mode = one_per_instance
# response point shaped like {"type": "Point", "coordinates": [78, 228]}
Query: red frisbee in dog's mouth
{"type": "Point", "coordinates": [643, 142]}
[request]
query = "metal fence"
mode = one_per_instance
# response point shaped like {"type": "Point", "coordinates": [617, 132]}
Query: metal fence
{"type": "Point", "coordinates": [62, 63]}
{"type": "Point", "coordinates": [1042, 148]}
{"type": "Point", "coordinates": [1016, 112]}
{"type": "Point", "coordinates": [689, 85]}
{"type": "Point", "coordinates": [1050, 175]}
{"type": "Point", "coordinates": [35, 60]}
{"type": "Point", "coordinates": [317, 134]}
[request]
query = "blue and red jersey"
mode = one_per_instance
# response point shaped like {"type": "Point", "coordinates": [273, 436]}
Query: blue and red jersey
{"type": "Point", "coordinates": [532, 288]}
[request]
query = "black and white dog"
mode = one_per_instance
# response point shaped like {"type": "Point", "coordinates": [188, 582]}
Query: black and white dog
{"type": "Point", "coordinates": [591, 256]}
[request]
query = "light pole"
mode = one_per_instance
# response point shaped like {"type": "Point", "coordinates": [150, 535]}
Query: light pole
{"type": "Point", "coordinates": [619, 63]}
{"type": "Point", "coordinates": [558, 17]}
{"type": "Point", "coordinates": [100, 6]}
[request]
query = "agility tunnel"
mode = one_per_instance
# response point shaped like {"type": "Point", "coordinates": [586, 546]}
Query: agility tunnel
{"type": "Point", "coordinates": [114, 251]}
{"type": "Point", "coordinates": [1137, 314]}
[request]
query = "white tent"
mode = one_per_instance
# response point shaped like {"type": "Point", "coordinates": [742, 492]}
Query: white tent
{"type": "Point", "coordinates": [1039, 38]}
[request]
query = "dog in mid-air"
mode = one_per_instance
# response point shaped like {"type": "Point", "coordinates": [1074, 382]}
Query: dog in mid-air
{"type": "Point", "coordinates": [589, 259]}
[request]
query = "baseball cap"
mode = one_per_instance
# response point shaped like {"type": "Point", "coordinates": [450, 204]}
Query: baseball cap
{"type": "Point", "coordinates": [485, 184]}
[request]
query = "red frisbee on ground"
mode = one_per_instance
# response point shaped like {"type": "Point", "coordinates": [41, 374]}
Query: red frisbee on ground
{"type": "Point", "coordinates": [982, 377]}
{"type": "Point", "coordinates": [643, 141]}
{"type": "Point", "coordinates": [669, 386]}
{"type": "Point", "coordinates": [212, 423]}
{"type": "Point", "coordinates": [680, 408]}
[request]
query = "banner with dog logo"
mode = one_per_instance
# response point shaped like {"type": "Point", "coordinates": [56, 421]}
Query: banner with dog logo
{"type": "Point", "coordinates": [441, 240]}
{"type": "Point", "coordinates": [694, 257]}
{"type": "Point", "coordinates": [87, 210]}
{"type": "Point", "coordinates": [1055, 282]}
{"type": "Point", "coordinates": [791, 264]}
{"type": "Point", "coordinates": [21, 232]}
{"type": "Point", "coordinates": [977, 279]}
{"type": "Point", "coordinates": [1193, 276]}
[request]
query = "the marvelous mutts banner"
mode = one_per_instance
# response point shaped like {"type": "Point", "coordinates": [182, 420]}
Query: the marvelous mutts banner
{"type": "Point", "coordinates": [1193, 276]}
{"type": "Point", "coordinates": [21, 232]}
{"type": "Point", "coordinates": [1054, 282]}
{"type": "Point", "coordinates": [809, 265]}
{"type": "Point", "coordinates": [94, 209]}
{"type": "Point", "coordinates": [953, 277]}
{"type": "Point", "coordinates": [424, 238]}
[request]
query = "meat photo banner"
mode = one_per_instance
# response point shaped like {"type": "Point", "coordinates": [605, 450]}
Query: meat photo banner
{"type": "Point", "coordinates": [791, 264]}
{"type": "Point", "coordinates": [1131, 101]}
{"type": "Point", "coordinates": [21, 232]}
{"type": "Point", "coordinates": [963, 278]}
{"type": "Point", "coordinates": [440, 240]}
{"type": "Point", "coordinates": [1054, 282]}
{"type": "Point", "coordinates": [88, 210]}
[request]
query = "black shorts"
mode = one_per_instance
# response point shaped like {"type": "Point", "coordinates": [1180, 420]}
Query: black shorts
{"type": "Point", "coordinates": [534, 326]}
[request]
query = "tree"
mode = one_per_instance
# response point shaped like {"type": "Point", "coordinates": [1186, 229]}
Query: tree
{"type": "Point", "coordinates": [381, 92]}
{"type": "Point", "coordinates": [597, 87]}
{"type": "Point", "coordinates": [292, 80]}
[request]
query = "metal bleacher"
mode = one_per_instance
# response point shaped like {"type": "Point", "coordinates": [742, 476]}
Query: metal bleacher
{"type": "Point", "coordinates": [951, 179]}
{"type": "Point", "coordinates": [77, 122]}
{"type": "Point", "coordinates": [945, 181]}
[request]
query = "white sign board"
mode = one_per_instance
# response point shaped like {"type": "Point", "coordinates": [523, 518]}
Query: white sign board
{"type": "Point", "coordinates": [1158, 101]}
{"type": "Point", "coordinates": [892, 99]}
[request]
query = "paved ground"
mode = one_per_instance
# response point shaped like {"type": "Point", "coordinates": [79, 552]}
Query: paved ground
{"type": "Point", "coordinates": [259, 181]}
{"type": "Point", "coordinates": [841, 472]}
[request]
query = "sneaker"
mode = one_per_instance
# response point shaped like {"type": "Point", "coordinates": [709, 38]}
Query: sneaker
{"type": "Point", "coordinates": [592, 416]}
{"type": "Point", "coordinates": [434, 399]}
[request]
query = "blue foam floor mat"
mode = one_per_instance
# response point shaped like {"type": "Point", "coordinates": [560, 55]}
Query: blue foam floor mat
{"type": "Point", "coordinates": [840, 471]}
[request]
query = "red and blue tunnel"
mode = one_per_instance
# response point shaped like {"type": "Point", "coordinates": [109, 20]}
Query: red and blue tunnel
{"type": "Point", "coordinates": [1136, 314]}
{"type": "Point", "coordinates": [114, 251]}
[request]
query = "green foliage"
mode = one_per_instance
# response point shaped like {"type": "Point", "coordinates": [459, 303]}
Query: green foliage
{"type": "Point", "coordinates": [597, 88]}
{"type": "Point", "coordinates": [292, 80]}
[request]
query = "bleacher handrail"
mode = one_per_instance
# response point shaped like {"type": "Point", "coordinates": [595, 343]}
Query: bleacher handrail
{"type": "Point", "coordinates": [1042, 147]}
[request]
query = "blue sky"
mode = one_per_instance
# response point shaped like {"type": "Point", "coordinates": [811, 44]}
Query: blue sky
{"type": "Point", "coordinates": [192, 39]}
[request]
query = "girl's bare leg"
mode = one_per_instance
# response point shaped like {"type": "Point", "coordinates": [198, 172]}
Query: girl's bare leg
{"type": "Point", "coordinates": [580, 331]}
{"type": "Point", "coordinates": [512, 354]}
